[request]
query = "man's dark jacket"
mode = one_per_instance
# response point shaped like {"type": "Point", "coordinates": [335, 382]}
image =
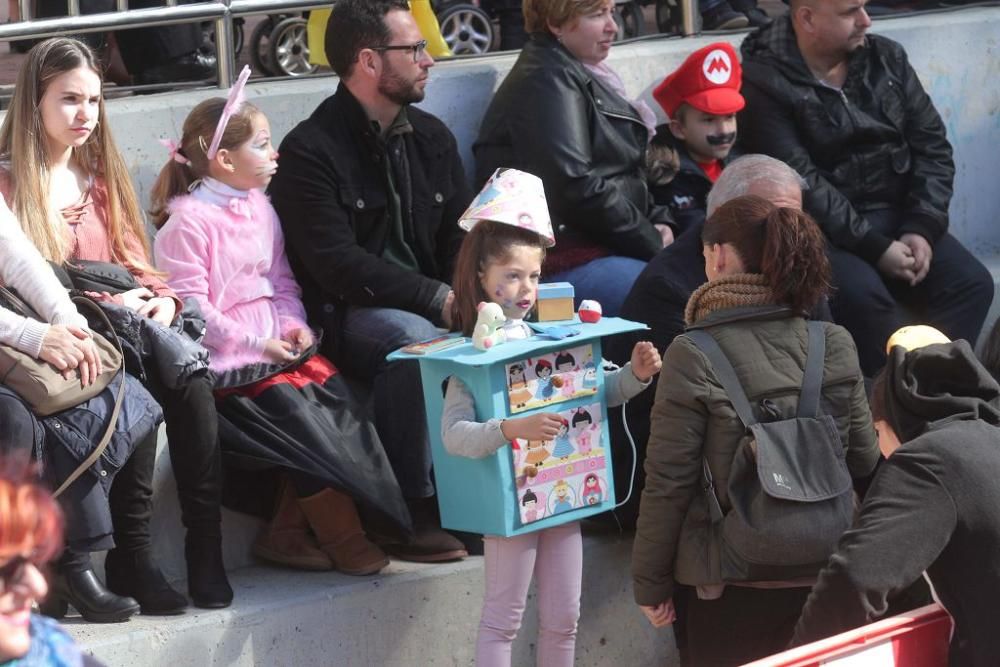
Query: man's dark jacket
{"type": "Point", "coordinates": [551, 117]}
{"type": "Point", "coordinates": [933, 506]}
{"type": "Point", "coordinates": [878, 144]}
{"type": "Point", "coordinates": [331, 197]}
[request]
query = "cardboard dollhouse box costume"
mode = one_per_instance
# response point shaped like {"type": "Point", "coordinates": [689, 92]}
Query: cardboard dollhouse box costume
{"type": "Point", "coordinates": [526, 485]}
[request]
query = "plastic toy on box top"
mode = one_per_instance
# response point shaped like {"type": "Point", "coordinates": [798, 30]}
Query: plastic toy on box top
{"type": "Point", "coordinates": [528, 485]}
{"type": "Point", "coordinates": [590, 311]}
{"type": "Point", "coordinates": [488, 330]}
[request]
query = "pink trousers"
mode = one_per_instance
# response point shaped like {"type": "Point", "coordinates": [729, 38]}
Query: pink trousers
{"type": "Point", "coordinates": [555, 557]}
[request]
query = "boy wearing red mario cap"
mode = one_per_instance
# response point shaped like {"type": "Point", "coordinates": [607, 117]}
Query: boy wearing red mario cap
{"type": "Point", "coordinates": [701, 98]}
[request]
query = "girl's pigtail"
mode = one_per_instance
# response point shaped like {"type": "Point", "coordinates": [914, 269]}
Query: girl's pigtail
{"type": "Point", "coordinates": [175, 178]}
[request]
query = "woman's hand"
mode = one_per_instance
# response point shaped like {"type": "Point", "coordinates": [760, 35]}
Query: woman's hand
{"type": "Point", "coordinates": [278, 351]}
{"type": "Point", "coordinates": [69, 348]}
{"type": "Point", "coordinates": [543, 426]}
{"type": "Point", "coordinates": [661, 615]}
{"type": "Point", "coordinates": [90, 367]}
{"type": "Point", "coordinates": [666, 234]}
{"type": "Point", "coordinates": [646, 361]}
{"type": "Point", "coordinates": [160, 309]}
{"type": "Point", "coordinates": [301, 339]}
{"type": "Point", "coordinates": [136, 298]}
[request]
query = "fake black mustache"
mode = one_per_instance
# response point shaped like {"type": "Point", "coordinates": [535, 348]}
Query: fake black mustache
{"type": "Point", "coordinates": [719, 139]}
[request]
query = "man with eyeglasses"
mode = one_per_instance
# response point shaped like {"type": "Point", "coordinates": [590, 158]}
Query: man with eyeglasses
{"type": "Point", "coordinates": [369, 192]}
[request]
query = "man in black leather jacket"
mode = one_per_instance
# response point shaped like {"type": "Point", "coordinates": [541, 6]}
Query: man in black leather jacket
{"type": "Point", "coordinates": [846, 110]}
{"type": "Point", "coordinates": [369, 192]}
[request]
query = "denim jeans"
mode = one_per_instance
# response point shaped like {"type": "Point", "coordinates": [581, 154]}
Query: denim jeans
{"type": "Point", "coordinates": [368, 335]}
{"type": "Point", "coordinates": [21, 435]}
{"type": "Point", "coordinates": [606, 280]}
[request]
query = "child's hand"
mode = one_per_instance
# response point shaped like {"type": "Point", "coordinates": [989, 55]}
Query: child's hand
{"type": "Point", "coordinates": [646, 361]}
{"type": "Point", "coordinates": [135, 298]}
{"type": "Point", "coordinates": [301, 339]}
{"type": "Point", "coordinates": [543, 426]}
{"type": "Point", "coordinates": [160, 308]}
{"type": "Point", "coordinates": [661, 615]}
{"type": "Point", "coordinates": [278, 351]}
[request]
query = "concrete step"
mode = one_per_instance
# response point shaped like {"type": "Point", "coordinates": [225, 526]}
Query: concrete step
{"type": "Point", "coordinates": [408, 615]}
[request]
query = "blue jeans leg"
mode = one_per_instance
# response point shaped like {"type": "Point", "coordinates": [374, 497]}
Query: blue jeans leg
{"type": "Point", "coordinates": [606, 280]}
{"type": "Point", "coordinates": [368, 335]}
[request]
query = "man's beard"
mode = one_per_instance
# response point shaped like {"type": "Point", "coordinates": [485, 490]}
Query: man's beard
{"type": "Point", "coordinates": [399, 90]}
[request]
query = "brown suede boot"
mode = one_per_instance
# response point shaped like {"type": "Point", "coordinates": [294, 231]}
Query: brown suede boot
{"type": "Point", "coordinates": [334, 519]}
{"type": "Point", "coordinates": [286, 539]}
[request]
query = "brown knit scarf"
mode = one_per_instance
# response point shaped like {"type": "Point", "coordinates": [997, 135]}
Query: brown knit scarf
{"type": "Point", "coordinates": [739, 290]}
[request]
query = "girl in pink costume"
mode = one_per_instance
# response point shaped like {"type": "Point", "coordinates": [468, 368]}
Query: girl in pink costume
{"type": "Point", "coordinates": [221, 243]}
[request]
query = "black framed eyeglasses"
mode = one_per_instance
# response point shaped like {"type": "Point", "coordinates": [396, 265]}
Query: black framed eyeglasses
{"type": "Point", "coordinates": [417, 48]}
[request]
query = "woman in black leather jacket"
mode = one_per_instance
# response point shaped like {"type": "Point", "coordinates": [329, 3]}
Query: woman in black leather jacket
{"type": "Point", "coordinates": [561, 113]}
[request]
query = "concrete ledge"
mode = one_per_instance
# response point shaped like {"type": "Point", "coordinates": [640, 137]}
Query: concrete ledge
{"type": "Point", "coordinates": [955, 54]}
{"type": "Point", "coordinates": [413, 615]}
{"type": "Point", "coordinates": [406, 616]}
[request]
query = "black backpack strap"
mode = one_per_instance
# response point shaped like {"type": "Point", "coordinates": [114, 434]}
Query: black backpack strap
{"type": "Point", "coordinates": [725, 372]}
{"type": "Point", "coordinates": [812, 378]}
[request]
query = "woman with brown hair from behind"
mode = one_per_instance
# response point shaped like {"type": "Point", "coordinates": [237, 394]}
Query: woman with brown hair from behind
{"type": "Point", "coordinates": [767, 268]}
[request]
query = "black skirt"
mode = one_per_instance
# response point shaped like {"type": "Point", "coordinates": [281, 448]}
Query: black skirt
{"type": "Point", "coordinates": [306, 419]}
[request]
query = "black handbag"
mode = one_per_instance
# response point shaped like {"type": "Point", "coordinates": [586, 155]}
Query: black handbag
{"type": "Point", "coordinates": [93, 276]}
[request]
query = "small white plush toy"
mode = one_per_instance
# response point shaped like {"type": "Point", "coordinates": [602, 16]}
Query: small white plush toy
{"type": "Point", "coordinates": [487, 331]}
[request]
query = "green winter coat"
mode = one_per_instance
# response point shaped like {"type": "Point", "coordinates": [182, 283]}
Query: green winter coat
{"type": "Point", "coordinates": [693, 418]}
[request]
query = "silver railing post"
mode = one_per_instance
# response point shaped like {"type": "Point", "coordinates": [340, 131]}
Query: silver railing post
{"type": "Point", "coordinates": [73, 7]}
{"type": "Point", "coordinates": [224, 53]}
{"type": "Point", "coordinates": [689, 17]}
{"type": "Point", "coordinates": [24, 9]}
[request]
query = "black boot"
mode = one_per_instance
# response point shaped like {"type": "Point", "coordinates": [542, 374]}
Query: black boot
{"type": "Point", "coordinates": [137, 574]}
{"type": "Point", "coordinates": [87, 594]}
{"type": "Point", "coordinates": [193, 438]}
{"type": "Point", "coordinates": [208, 585]}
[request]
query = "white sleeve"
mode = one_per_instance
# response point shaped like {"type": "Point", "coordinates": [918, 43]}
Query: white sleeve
{"type": "Point", "coordinates": [621, 384]}
{"type": "Point", "coordinates": [23, 268]}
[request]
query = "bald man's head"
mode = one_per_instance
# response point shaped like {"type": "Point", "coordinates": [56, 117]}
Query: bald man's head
{"type": "Point", "coordinates": [829, 28]}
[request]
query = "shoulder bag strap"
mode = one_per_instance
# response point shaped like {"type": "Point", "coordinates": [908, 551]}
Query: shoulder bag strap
{"type": "Point", "coordinates": [812, 378]}
{"type": "Point", "coordinates": [725, 372]}
{"type": "Point", "coordinates": [17, 304]}
{"type": "Point", "coordinates": [119, 397]}
{"type": "Point", "coordinates": [730, 382]}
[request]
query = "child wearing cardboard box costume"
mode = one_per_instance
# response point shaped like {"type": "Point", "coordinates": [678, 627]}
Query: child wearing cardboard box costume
{"type": "Point", "coordinates": [500, 261]}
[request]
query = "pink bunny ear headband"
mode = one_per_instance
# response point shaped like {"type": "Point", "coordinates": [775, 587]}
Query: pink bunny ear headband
{"type": "Point", "coordinates": [233, 104]}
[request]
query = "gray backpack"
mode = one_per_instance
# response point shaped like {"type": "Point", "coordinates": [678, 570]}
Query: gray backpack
{"type": "Point", "coordinates": [789, 486]}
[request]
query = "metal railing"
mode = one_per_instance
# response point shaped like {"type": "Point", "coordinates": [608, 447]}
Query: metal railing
{"type": "Point", "coordinates": [221, 12]}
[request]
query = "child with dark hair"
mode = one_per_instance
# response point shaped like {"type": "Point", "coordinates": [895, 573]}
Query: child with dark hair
{"type": "Point", "coordinates": [701, 98]}
{"type": "Point", "coordinates": [501, 261]}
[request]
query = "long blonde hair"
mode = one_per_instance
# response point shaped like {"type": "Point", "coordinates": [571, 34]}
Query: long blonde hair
{"type": "Point", "coordinates": [23, 145]}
